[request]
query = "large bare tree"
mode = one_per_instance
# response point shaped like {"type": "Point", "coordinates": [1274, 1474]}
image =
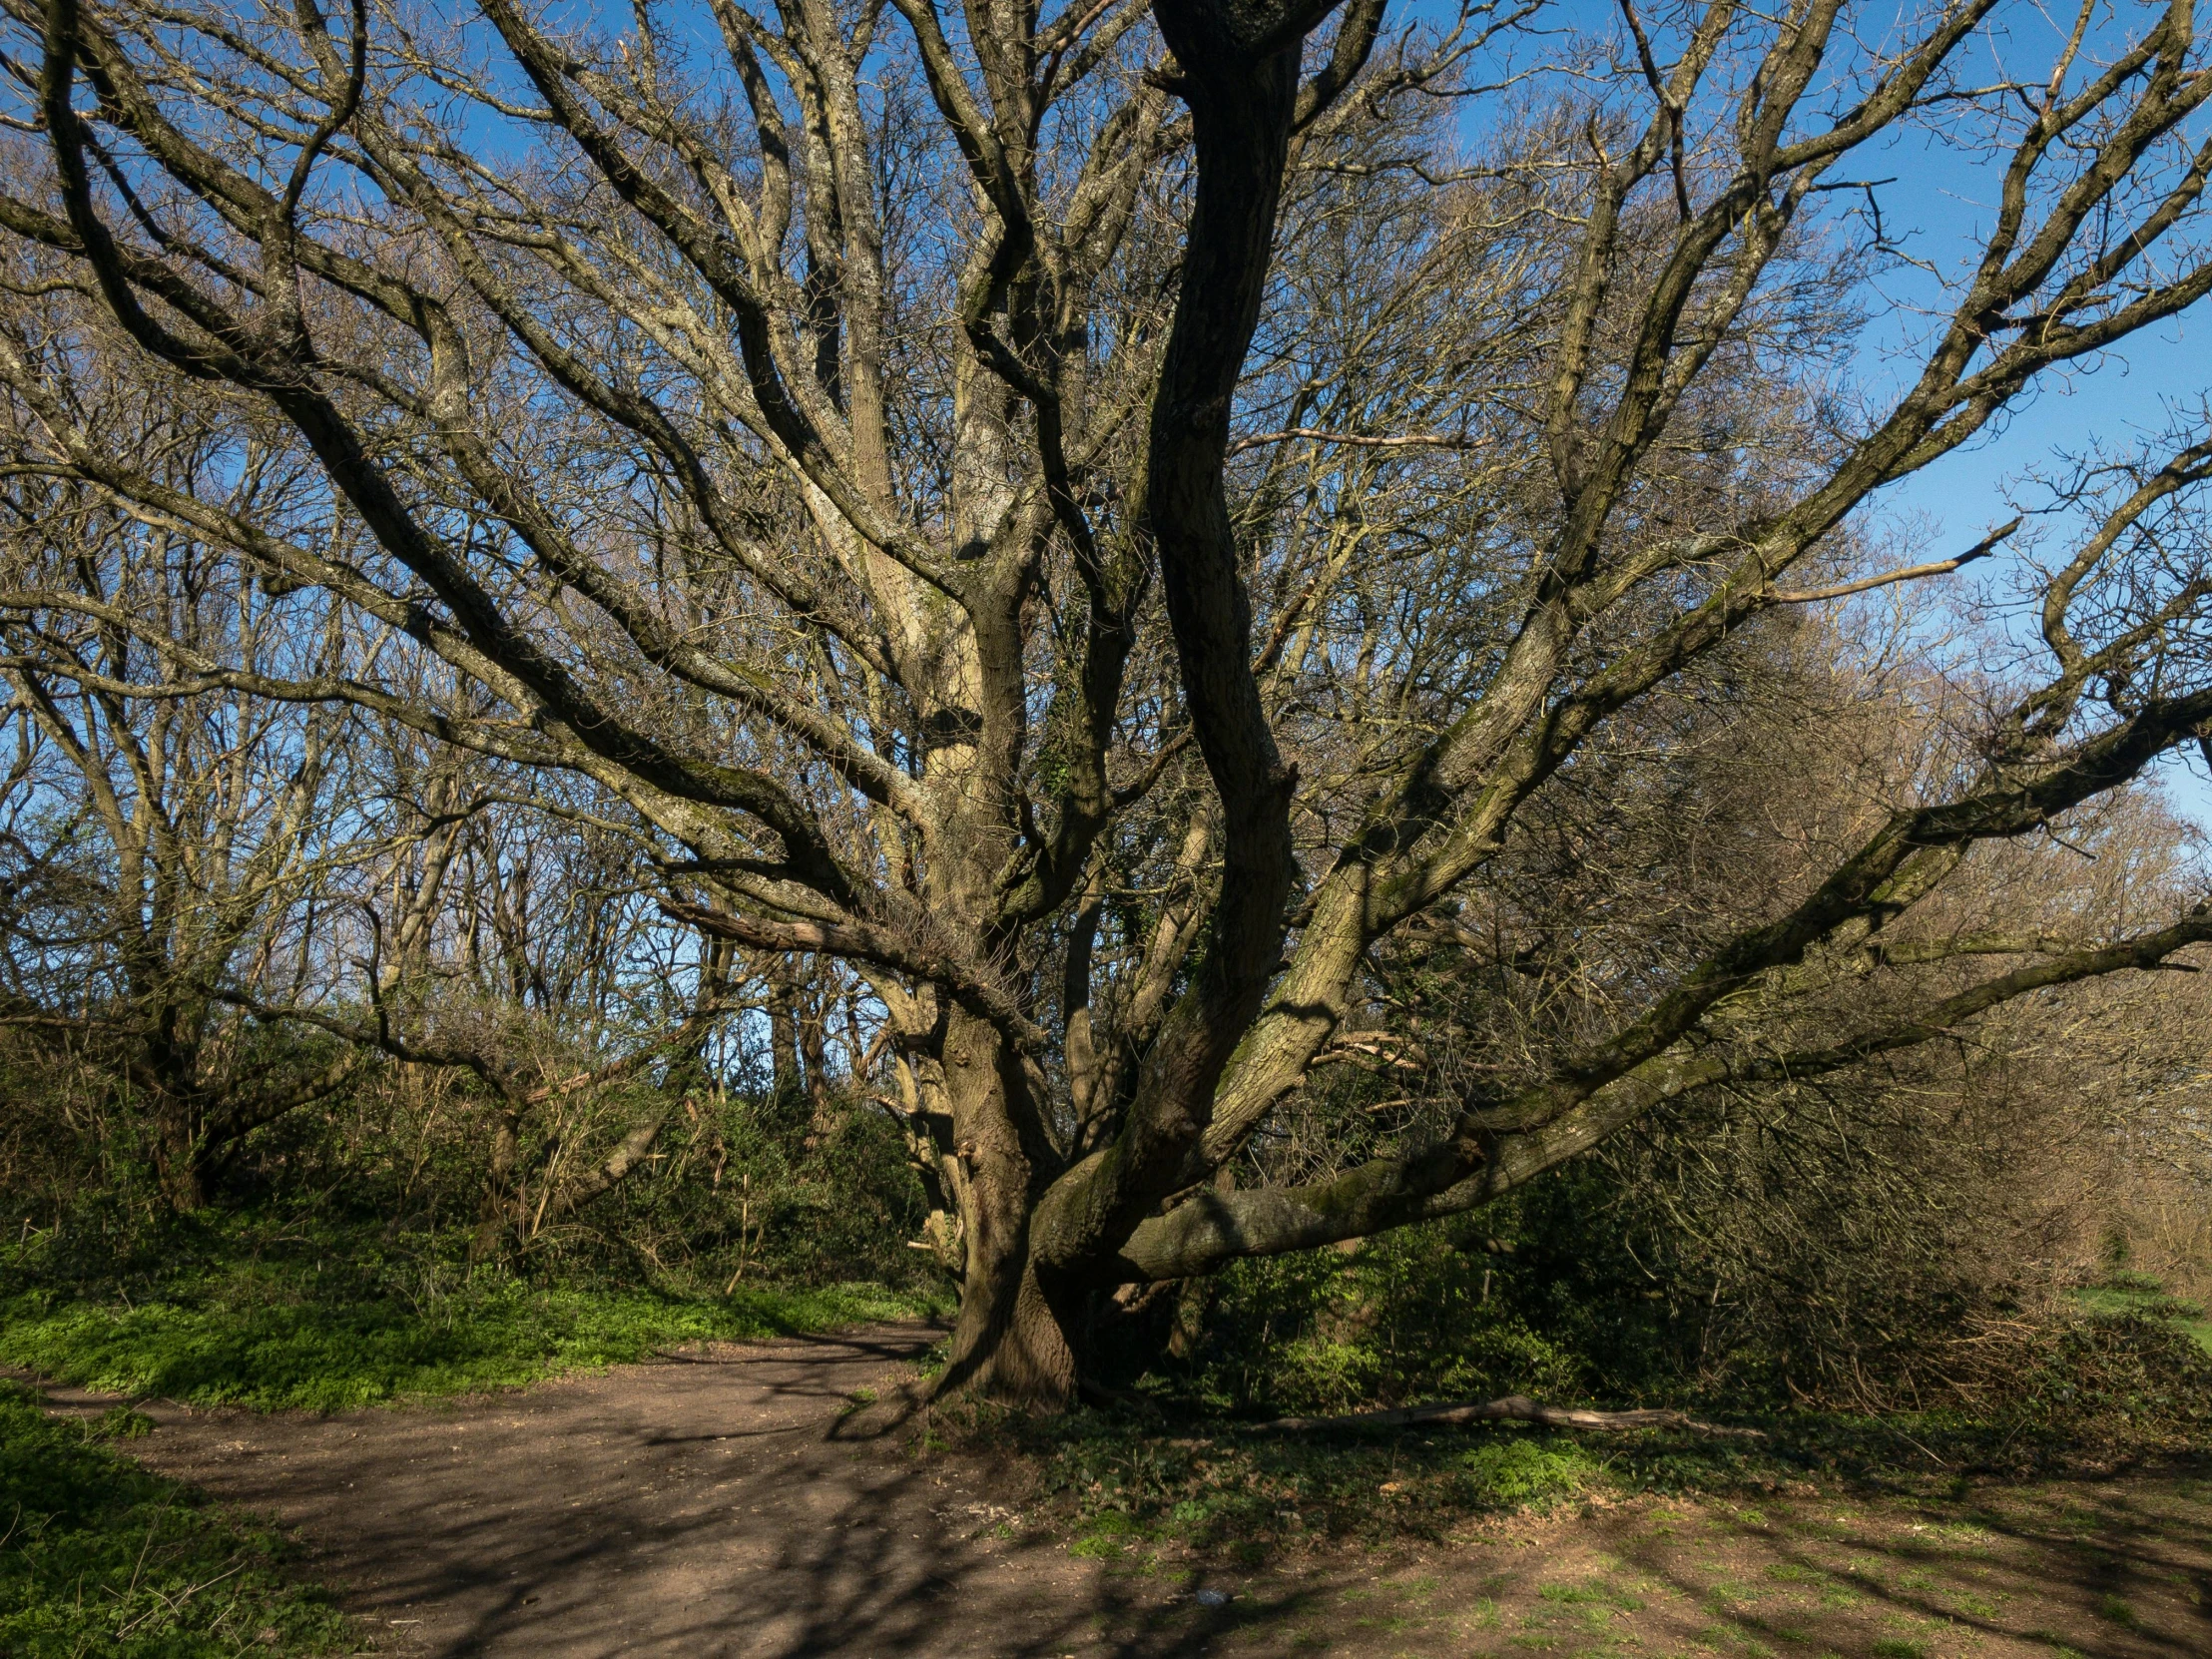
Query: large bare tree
{"type": "Point", "coordinates": [1099, 520]}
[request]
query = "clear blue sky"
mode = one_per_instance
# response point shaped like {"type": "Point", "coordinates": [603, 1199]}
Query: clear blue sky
{"type": "Point", "coordinates": [2126, 397]}
{"type": "Point", "coordinates": [1940, 203]}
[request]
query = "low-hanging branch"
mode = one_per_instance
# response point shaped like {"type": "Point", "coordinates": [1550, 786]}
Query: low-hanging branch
{"type": "Point", "coordinates": [1507, 1409]}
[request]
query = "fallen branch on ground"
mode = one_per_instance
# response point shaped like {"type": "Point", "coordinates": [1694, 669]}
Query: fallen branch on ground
{"type": "Point", "coordinates": [1512, 1408]}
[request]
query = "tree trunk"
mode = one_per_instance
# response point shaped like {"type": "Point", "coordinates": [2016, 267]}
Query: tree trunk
{"type": "Point", "coordinates": [181, 1161]}
{"type": "Point", "coordinates": [1193, 1306]}
{"type": "Point", "coordinates": [785, 1077]}
{"type": "Point", "coordinates": [167, 1069]}
{"type": "Point", "coordinates": [1010, 1342]}
{"type": "Point", "coordinates": [501, 1204]}
{"type": "Point", "coordinates": [813, 1056]}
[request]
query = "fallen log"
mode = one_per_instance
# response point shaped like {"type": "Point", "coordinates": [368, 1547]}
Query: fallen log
{"type": "Point", "coordinates": [1512, 1408]}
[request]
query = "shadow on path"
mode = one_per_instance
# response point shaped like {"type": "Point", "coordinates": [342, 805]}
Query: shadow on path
{"type": "Point", "coordinates": [724, 1501]}
{"type": "Point", "coordinates": [740, 1501]}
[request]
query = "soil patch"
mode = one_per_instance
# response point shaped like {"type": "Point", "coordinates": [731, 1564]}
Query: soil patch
{"type": "Point", "coordinates": [751, 1501]}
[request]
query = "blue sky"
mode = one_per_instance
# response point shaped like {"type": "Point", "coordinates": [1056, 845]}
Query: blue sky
{"type": "Point", "coordinates": [2129, 392]}
{"type": "Point", "coordinates": [1946, 194]}
{"type": "Point", "coordinates": [1939, 202]}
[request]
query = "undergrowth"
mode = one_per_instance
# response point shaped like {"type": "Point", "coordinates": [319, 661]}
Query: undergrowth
{"type": "Point", "coordinates": [1119, 1485]}
{"type": "Point", "coordinates": [2123, 1292]}
{"type": "Point", "coordinates": [1170, 1473]}
{"type": "Point", "coordinates": [1116, 1485]}
{"type": "Point", "coordinates": [252, 1345]}
{"type": "Point", "coordinates": [265, 1312]}
{"type": "Point", "coordinates": [102, 1558]}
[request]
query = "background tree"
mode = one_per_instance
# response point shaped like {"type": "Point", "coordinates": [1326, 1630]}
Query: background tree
{"type": "Point", "coordinates": [172, 845]}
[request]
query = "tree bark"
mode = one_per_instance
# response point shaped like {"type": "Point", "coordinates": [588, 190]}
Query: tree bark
{"type": "Point", "coordinates": [1510, 1409]}
{"type": "Point", "coordinates": [1010, 1342]}
{"type": "Point", "coordinates": [500, 1206]}
{"type": "Point", "coordinates": [787, 1079]}
{"type": "Point", "coordinates": [181, 1161]}
{"type": "Point", "coordinates": [166, 1070]}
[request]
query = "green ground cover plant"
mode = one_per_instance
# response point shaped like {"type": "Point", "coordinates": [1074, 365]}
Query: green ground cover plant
{"type": "Point", "coordinates": [1171, 1470]}
{"type": "Point", "coordinates": [1124, 1487]}
{"type": "Point", "coordinates": [101, 1557]}
{"type": "Point", "coordinates": [2129, 1291]}
{"type": "Point", "coordinates": [348, 1264]}
{"type": "Point", "coordinates": [244, 1342]}
{"type": "Point", "coordinates": [274, 1311]}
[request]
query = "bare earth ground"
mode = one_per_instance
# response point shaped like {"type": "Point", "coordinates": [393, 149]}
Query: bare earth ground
{"type": "Point", "coordinates": [733, 1502]}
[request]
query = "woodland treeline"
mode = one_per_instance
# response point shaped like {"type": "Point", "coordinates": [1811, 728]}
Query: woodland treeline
{"type": "Point", "coordinates": [1135, 662]}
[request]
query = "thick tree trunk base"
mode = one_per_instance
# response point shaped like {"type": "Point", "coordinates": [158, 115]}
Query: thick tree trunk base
{"type": "Point", "coordinates": [1512, 1408]}
{"type": "Point", "coordinates": [182, 1178]}
{"type": "Point", "coordinates": [186, 1190]}
{"type": "Point", "coordinates": [1011, 1350]}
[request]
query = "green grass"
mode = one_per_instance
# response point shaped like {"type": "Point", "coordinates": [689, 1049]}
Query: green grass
{"type": "Point", "coordinates": [248, 1338]}
{"type": "Point", "coordinates": [1117, 1482]}
{"type": "Point", "coordinates": [1190, 1479]}
{"type": "Point", "coordinates": [101, 1557]}
{"type": "Point", "coordinates": [2140, 1294]}
{"type": "Point", "coordinates": [2117, 1609]}
{"type": "Point", "coordinates": [276, 1310]}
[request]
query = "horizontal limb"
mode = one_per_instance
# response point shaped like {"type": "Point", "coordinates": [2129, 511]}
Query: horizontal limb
{"type": "Point", "coordinates": [1509, 1409]}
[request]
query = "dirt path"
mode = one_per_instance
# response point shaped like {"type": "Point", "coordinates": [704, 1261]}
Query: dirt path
{"type": "Point", "coordinates": [733, 1504]}
{"type": "Point", "coordinates": [709, 1503]}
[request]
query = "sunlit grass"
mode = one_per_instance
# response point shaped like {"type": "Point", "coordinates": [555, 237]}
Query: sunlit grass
{"type": "Point", "coordinates": [100, 1557]}
{"type": "Point", "coordinates": [2139, 1294]}
{"type": "Point", "coordinates": [243, 1311]}
{"type": "Point", "coordinates": [245, 1343]}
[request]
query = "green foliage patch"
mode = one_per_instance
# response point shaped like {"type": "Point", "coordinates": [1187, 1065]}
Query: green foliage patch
{"type": "Point", "coordinates": [1121, 1485]}
{"type": "Point", "coordinates": [260, 1311]}
{"type": "Point", "coordinates": [1410, 1315]}
{"type": "Point", "coordinates": [1497, 1304]}
{"type": "Point", "coordinates": [101, 1557]}
{"type": "Point", "coordinates": [1164, 1471]}
{"type": "Point", "coordinates": [247, 1342]}
{"type": "Point", "coordinates": [2125, 1293]}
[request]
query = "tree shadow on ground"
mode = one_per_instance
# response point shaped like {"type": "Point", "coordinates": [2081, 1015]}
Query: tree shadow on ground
{"type": "Point", "coordinates": [2092, 1566]}
{"type": "Point", "coordinates": [781, 1500]}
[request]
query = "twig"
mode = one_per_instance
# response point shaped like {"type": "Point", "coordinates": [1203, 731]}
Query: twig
{"type": "Point", "coordinates": [1360, 440]}
{"type": "Point", "coordinates": [1912, 573]}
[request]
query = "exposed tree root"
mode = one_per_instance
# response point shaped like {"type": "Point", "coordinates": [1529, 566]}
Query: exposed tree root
{"type": "Point", "coordinates": [1512, 1409]}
